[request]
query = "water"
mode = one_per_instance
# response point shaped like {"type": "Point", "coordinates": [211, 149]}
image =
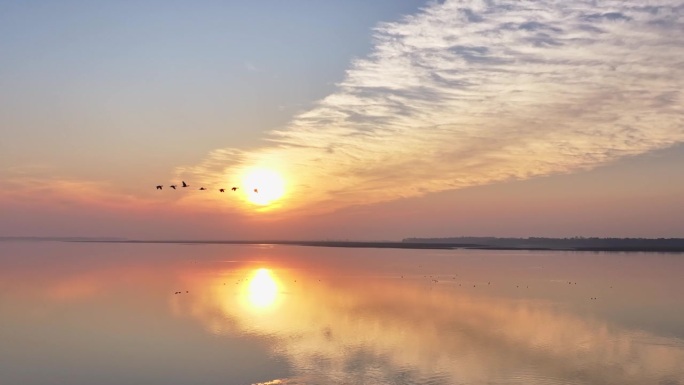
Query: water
{"type": "Point", "coordinates": [100, 313]}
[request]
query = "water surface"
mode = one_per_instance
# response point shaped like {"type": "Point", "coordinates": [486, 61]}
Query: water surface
{"type": "Point", "coordinates": [85, 313]}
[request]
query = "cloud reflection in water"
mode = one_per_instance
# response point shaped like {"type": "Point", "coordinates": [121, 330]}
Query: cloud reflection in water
{"type": "Point", "coordinates": [346, 330]}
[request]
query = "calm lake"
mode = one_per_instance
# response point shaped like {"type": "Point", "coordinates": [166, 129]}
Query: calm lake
{"type": "Point", "coordinates": [113, 313]}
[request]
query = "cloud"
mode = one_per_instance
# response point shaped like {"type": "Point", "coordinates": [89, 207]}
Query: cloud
{"type": "Point", "coordinates": [251, 67]}
{"type": "Point", "coordinates": [467, 93]}
{"type": "Point", "coordinates": [39, 201]}
{"type": "Point", "coordinates": [33, 189]}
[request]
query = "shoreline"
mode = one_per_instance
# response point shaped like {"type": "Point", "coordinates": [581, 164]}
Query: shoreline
{"type": "Point", "coordinates": [396, 245]}
{"type": "Point", "coordinates": [664, 246]}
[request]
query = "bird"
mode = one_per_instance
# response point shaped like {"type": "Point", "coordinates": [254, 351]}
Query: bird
{"type": "Point", "coordinates": [202, 188]}
{"type": "Point", "coordinates": [256, 190]}
{"type": "Point", "coordinates": [159, 187]}
{"type": "Point", "coordinates": [185, 184]}
{"type": "Point", "coordinates": [222, 190]}
{"type": "Point", "coordinates": [234, 188]}
{"type": "Point", "coordinates": [173, 186]}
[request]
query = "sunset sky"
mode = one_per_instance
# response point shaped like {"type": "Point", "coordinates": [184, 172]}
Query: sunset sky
{"type": "Point", "coordinates": [372, 120]}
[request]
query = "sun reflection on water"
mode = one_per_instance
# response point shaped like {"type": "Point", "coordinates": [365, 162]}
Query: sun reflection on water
{"type": "Point", "coordinates": [444, 326]}
{"type": "Point", "coordinates": [262, 291]}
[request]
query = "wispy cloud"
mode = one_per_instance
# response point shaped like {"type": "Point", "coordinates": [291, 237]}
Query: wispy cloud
{"type": "Point", "coordinates": [251, 67]}
{"type": "Point", "coordinates": [41, 187]}
{"type": "Point", "coordinates": [467, 93]}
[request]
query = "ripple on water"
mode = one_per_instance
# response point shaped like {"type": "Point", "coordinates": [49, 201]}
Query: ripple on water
{"type": "Point", "coordinates": [533, 377]}
{"type": "Point", "coordinates": [439, 378]}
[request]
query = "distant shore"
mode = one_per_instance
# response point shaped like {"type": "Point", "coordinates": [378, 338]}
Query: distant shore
{"type": "Point", "coordinates": [672, 245]}
{"type": "Point", "coordinates": [571, 244]}
{"type": "Point", "coordinates": [428, 246]}
{"type": "Point", "coordinates": [352, 244]}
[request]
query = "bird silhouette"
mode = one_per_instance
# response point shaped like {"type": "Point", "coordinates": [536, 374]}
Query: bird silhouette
{"type": "Point", "coordinates": [173, 186]}
{"type": "Point", "coordinates": [185, 184]}
{"type": "Point", "coordinates": [222, 190]}
{"type": "Point", "coordinates": [234, 188]}
{"type": "Point", "coordinates": [202, 188]}
{"type": "Point", "coordinates": [256, 190]}
{"type": "Point", "coordinates": [159, 187]}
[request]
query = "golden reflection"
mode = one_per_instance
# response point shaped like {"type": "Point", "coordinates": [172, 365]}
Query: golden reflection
{"type": "Point", "coordinates": [337, 320]}
{"type": "Point", "coordinates": [263, 289]}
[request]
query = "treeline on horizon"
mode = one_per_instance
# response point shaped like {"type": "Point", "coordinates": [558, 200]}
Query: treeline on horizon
{"type": "Point", "coordinates": [574, 243]}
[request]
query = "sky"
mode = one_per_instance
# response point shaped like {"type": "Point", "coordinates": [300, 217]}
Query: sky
{"type": "Point", "coordinates": [351, 119]}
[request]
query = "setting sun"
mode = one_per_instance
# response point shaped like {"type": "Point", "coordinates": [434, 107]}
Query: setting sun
{"type": "Point", "coordinates": [263, 186]}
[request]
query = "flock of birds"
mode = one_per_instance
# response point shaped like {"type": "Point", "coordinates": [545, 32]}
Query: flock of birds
{"type": "Point", "coordinates": [173, 186]}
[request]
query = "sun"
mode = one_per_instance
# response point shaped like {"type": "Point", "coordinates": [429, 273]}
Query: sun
{"type": "Point", "coordinates": [263, 186]}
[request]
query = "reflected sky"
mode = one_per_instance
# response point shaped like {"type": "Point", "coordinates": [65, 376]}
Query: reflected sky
{"type": "Point", "coordinates": [217, 314]}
